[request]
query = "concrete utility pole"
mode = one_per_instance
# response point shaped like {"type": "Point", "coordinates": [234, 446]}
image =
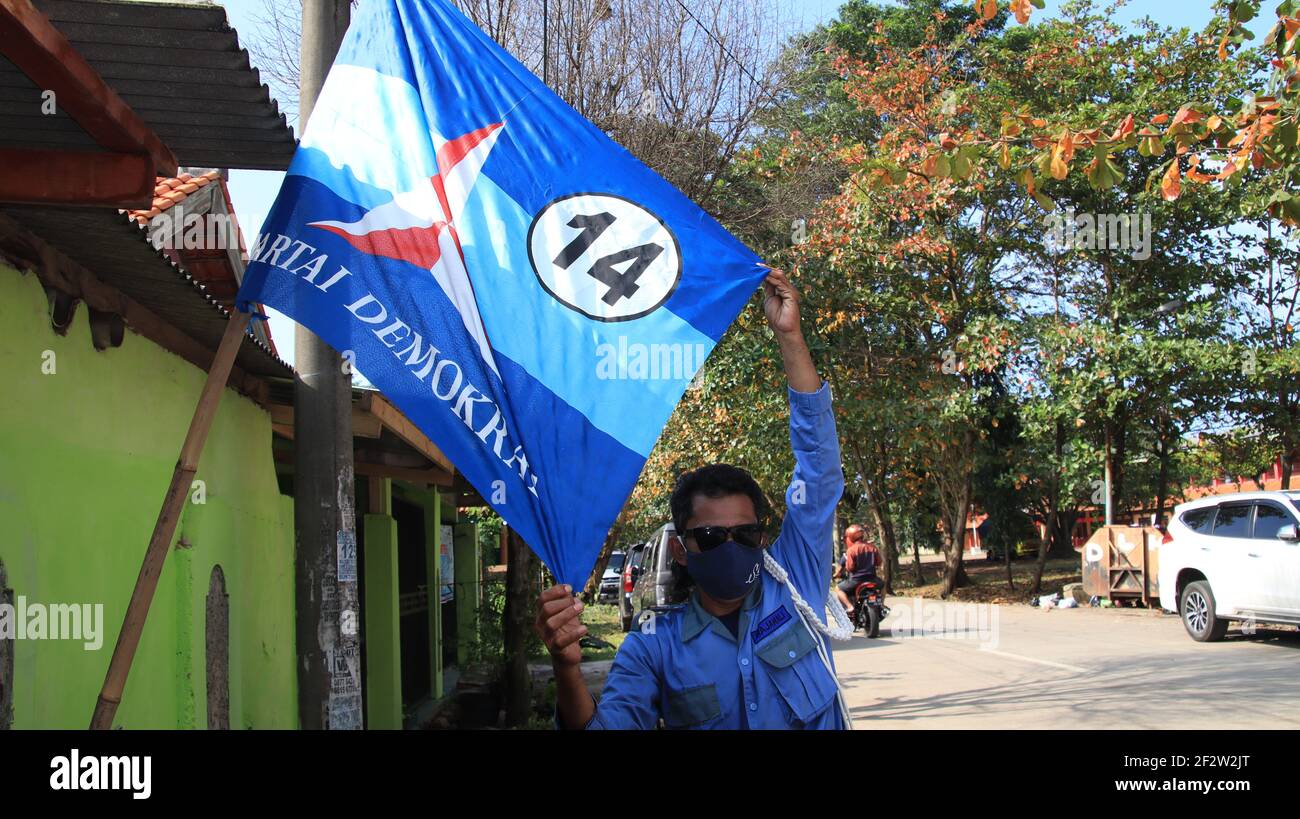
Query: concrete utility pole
{"type": "Point", "coordinates": [328, 615]}
{"type": "Point", "coordinates": [1108, 478]}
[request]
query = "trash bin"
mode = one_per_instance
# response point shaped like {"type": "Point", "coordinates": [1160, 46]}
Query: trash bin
{"type": "Point", "coordinates": [1122, 564]}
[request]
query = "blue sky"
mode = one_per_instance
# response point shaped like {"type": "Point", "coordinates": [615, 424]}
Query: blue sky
{"type": "Point", "coordinates": [253, 192]}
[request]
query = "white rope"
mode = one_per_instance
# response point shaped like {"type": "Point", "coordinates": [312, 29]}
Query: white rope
{"type": "Point", "coordinates": [843, 629]}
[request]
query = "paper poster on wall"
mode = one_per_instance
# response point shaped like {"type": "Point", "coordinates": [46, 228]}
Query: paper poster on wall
{"type": "Point", "coordinates": [445, 565]}
{"type": "Point", "coordinates": [347, 556]}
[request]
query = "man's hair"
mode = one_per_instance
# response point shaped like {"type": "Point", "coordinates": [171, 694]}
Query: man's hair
{"type": "Point", "coordinates": [714, 481]}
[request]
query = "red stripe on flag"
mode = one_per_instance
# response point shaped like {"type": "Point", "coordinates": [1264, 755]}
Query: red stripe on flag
{"type": "Point", "coordinates": [450, 154]}
{"type": "Point", "coordinates": [419, 246]}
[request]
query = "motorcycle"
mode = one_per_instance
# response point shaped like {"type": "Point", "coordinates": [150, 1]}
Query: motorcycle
{"type": "Point", "coordinates": [869, 607]}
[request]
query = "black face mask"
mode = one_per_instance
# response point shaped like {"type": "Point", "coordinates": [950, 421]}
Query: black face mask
{"type": "Point", "coordinates": [726, 572]}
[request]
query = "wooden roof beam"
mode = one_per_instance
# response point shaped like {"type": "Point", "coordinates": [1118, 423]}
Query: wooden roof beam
{"type": "Point", "coordinates": [50, 177]}
{"type": "Point", "coordinates": [364, 425]}
{"type": "Point", "coordinates": [39, 50]}
{"type": "Point", "coordinates": [433, 476]}
{"type": "Point", "coordinates": [401, 426]}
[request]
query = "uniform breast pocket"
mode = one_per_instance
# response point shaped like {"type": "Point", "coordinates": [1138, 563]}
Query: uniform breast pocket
{"type": "Point", "coordinates": [796, 670]}
{"type": "Point", "coordinates": [691, 707]}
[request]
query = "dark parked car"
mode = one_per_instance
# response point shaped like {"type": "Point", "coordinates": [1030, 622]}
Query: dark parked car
{"type": "Point", "coordinates": [652, 589]}
{"type": "Point", "coordinates": [612, 579]}
{"type": "Point", "coordinates": [631, 571]}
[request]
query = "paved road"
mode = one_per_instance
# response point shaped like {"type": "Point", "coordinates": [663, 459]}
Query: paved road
{"type": "Point", "coordinates": [1065, 669]}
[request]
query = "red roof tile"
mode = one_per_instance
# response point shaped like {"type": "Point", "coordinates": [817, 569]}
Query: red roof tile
{"type": "Point", "coordinates": [170, 191]}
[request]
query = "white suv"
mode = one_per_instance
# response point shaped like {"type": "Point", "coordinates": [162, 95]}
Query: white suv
{"type": "Point", "coordinates": [1232, 557]}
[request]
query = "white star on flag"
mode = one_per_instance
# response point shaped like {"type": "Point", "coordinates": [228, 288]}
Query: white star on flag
{"type": "Point", "coordinates": [418, 226]}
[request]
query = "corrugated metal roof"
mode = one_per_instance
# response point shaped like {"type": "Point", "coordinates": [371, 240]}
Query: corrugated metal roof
{"type": "Point", "coordinates": [23, 125]}
{"type": "Point", "coordinates": [178, 65]}
{"type": "Point", "coordinates": [191, 198]}
{"type": "Point", "coordinates": [116, 249]}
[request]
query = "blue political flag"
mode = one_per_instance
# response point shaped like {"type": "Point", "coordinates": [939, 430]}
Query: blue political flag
{"type": "Point", "coordinates": [529, 294]}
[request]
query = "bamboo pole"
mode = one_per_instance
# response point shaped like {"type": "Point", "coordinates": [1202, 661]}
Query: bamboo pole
{"type": "Point", "coordinates": [128, 639]}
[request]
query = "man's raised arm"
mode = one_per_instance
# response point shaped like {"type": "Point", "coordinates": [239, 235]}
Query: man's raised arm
{"type": "Point", "coordinates": [806, 537]}
{"type": "Point", "coordinates": [781, 304]}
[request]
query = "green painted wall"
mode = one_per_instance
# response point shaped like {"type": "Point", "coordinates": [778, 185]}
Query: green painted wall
{"type": "Point", "coordinates": [383, 625]}
{"type": "Point", "coordinates": [467, 566]}
{"type": "Point", "coordinates": [85, 456]}
{"type": "Point", "coordinates": [432, 504]}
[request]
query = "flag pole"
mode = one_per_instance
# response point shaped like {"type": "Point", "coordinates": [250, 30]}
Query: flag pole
{"type": "Point", "coordinates": [110, 696]}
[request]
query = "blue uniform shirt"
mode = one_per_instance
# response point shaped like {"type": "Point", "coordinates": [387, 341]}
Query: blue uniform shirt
{"type": "Point", "coordinates": [688, 669]}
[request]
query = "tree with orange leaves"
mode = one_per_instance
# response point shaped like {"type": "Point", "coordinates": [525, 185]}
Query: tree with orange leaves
{"type": "Point", "coordinates": [926, 260]}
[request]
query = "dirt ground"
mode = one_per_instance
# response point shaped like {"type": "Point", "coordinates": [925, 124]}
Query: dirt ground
{"type": "Point", "coordinates": [989, 580]}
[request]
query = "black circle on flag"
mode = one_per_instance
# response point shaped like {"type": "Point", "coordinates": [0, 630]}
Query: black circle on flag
{"type": "Point", "coordinates": [604, 256]}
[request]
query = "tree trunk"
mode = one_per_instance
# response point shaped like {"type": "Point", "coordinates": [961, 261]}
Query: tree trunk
{"type": "Point", "coordinates": [1162, 487]}
{"type": "Point", "coordinates": [889, 550]}
{"type": "Point", "coordinates": [954, 506]}
{"type": "Point", "coordinates": [592, 588]}
{"type": "Point", "coordinates": [1063, 543]}
{"type": "Point", "coordinates": [916, 560]}
{"type": "Point", "coordinates": [1052, 521]}
{"type": "Point", "coordinates": [517, 630]}
{"type": "Point", "coordinates": [954, 571]}
{"type": "Point", "coordinates": [1006, 560]}
{"type": "Point", "coordinates": [1108, 473]}
{"type": "Point", "coordinates": [1290, 440]}
{"type": "Point", "coordinates": [881, 519]}
{"type": "Point", "coordinates": [1117, 466]}
{"type": "Point", "coordinates": [1044, 546]}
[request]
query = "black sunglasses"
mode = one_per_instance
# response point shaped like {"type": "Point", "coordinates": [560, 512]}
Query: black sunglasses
{"type": "Point", "coordinates": [752, 535]}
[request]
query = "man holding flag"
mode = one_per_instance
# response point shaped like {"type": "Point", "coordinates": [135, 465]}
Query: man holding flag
{"type": "Point", "coordinates": [475, 245]}
{"type": "Point", "coordinates": [737, 654]}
